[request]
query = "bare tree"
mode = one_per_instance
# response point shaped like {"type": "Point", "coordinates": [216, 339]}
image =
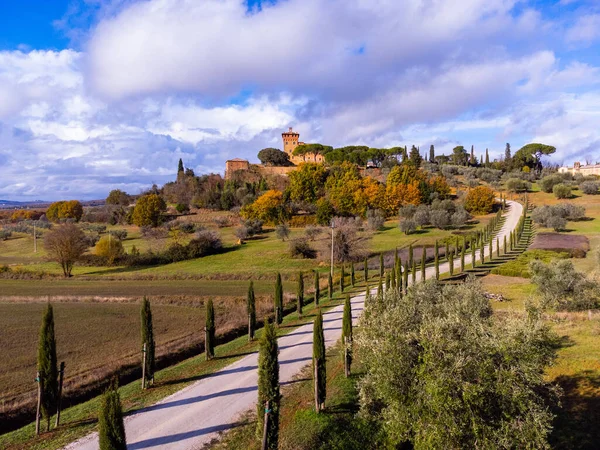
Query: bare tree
{"type": "Point", "coordinates": [65, 244]}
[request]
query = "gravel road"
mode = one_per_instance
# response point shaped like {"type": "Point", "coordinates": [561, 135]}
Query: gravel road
{"type": "Point", "coordinates": [196, 415]}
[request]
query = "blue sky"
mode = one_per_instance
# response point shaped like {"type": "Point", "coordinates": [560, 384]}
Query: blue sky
{"type": "Point", "coordinates": [96, 95]}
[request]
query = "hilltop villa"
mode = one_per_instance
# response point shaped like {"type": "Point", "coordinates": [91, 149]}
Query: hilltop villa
{"type": "Point", "coordinates": [291, 140]}
{"type": "Point", "coordinates": [592, 169]}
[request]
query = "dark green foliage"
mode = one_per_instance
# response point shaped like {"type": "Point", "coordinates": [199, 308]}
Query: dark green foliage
{"type": "Point", "coordinates": [329, 286]}
{"type": "Point", "coordinates": [405, 277]}
{"type": "Point", "coordinates": [352, 275]}
{"type": "Point", "coordinates": [413, 272]}
{"type": "Point", "coordinates": [342, 279]}
{"type": "Point", "coordinates": [393, 278]}
{"type": "Point", "coordinates": [473, 255]}
{"type": "Point", "coordinates": [366, 269]}
{"type": "Point", "coordinates": [319, 364]}
{"type": "Point", "coordinates": [490, 249]}
{"type": "Point", "coordinates": [423, 262]}
{"type": "Point", "coordinates": [380, 288]}
{"type": "Point", "coordinates": [482, 252]}
{"type": "Point", "coordinates": [437, 261]}
{"type": "Point", "coordinates": [381, 268]}
{"type": "Point", "coordinates": [180, 167]}
{"type": "Point", "coordinates": [347, 332]}
{"type": "Point", "coordinates": [410, 255]}
{"type": "Point", "coordinates": [251, 310]}
{"type": "Point", "coordinates": [387, 280]}
{"type": "Point", "coordinates": [317, 288]}
{"type": "Point", "coordinates": [278, 300]}
{"type": "Point", "coordinates": [148, 338]}
{"type": "Point", "coordinates": [447, 250]}
{"type": "Point", "coordinates": [47, 365]}
{"type": "Point", "coordinates": [462, 256]}
{"type": "Point", "coordinates": [111, 429]}
{"type": "Point", "coordinates": [209, 345]}
{"type": "Point", "coordinates": [451, 262]}
{"type": "Point", "coordinates": [268, 385]}
{"type": "Point", "coordinates": [300, 294]}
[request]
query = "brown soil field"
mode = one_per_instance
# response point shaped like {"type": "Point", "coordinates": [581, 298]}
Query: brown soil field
{"type": "Point", "coordinates": [98, 339]}
{"type": "Point", "coordinates": [576, 245]}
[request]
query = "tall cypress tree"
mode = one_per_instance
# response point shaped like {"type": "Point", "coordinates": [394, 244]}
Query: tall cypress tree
{"type": "Point", "coordinates": [423, 262]}
{"type": "Point", "coordinates": [319, 363]}
{"type": "Point", "coordinates": [393, 278]}
{"type": "Point", "coordinates": [482, 252]}
{"type": "Point", "coordinates": [251, 310]}
{"type": "Point", "coordinates": [462, 255]}
{"type": "Point", "coordinates": [410, 255]}
{"type": "Point", "coordinates": [413, 272]}
{"type": "Point", "coordinates": [330, 286]}
{"type": "Point", "coordinates": [380, 289]}
{"type": "Point", "coordinates": [473, 255]}
{"type": "Point", "coordinates": [180, 167]}
{"type": "Point", "coordinates": [487, 157]}
{"type": "Point", "coordinates": [490, 249]}
{"type": "Point", "coordinates": [268, 386]}
{"type": "Point", "coordinates": [405, 277]}
{"type": "Point", "coordinates": [451, 262]}
{"type": "Point", "coordinates": [300, 294]}
{"type": "Point", "coordinates": [381, 265]}
{"type": "Point", "coordinates": [436, 261]}
{"type": "Point", "coordinates": [352, 276]}
{"type": "Point", "coordinates": [47, 365]}
{"type": "Point", "coordinates": [387, 281]}
{"type": "Point", "coordinates": [342, 279]}
{"type": "Point", "coordinates": [366, 269]}
{"type": "Point", "coordinates": [447, 250]}
{"type": "Point", "coordinates": [317, 288]}
{"type": "Point", "coordinates": [278, 300]}
{"type": "Point", "coordinates": [399, 274]}
{"type": "Point", "coordinates": [347, 335]}
{"type": "Point", "coordinates": [431, 153]}
{"type": "Point", "coordinates": [209, 345]}
{"type": "Point", "coordinates": [148, 338]}
{"type": "Point", "coordinates": [504, 248]}
{"type": "Point", "coordinates": [111, 429]}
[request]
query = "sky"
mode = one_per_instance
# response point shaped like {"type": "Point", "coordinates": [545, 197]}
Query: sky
{"type": "Point", "coordinates": [99, 95]}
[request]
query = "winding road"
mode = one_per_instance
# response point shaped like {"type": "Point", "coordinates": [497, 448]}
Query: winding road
{"type": "Point", "coordinates": [194, 416]}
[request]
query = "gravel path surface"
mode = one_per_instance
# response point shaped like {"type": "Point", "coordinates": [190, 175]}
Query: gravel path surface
{"type": "Point", "coordinates": [197, 414]}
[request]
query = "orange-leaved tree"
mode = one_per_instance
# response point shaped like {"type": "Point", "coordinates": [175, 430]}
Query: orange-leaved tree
{"type": "Point", "coordinates": [480, 200]}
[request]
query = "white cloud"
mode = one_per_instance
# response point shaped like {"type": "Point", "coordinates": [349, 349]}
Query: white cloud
{"type": "Point", "coordinates": [585, 30]}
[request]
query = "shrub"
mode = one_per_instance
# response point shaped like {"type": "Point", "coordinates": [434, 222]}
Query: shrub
{"type": "Point", "coordinates": [222, 222]}
{"type": "Point", "coordinates": [439, 218]}
{"type": "Point", "coordinates": [177, 252]}
{"type": "Point", "coordinates": [282, 231]}
{"type": "Point", "coordinates": [242, 232]}
{"type": "Point", "coordinates": [518, 185]}
{"type": "Point", "coordinates": [421, 216]}
{"type": "Point", "coordinates": [542, 214]}
{"type": "Point", "coordinates": [325, 211]}
{"type": "Point", "coordinates": [205, 243]}
{"type": "Point", "coordinates": [561, 191]}
{"type": "Point", "coordinates": [548, 182]}
{"type": "Point", "coordinates": [148, 210]}
{"type": "Point", "coordinates": [119, 234]}
{"type": "Point", "coordinates": [480, 200]}
{"type": "Point", "coordinates": [408, 226]}
{"type": "Point", "coordinates": [182, 208]}
{"type": "Point", "coordinates": [109, 248]}
{"type": "Point", "coordinates": [459, 218]}
{"type": "Point", "coordinates": [312, 232]}
{"type": "Point", "coordinates": [5, 234]}
{"type": "Point", "coordinates": [254, 226]}
{"type": "Point", "coordinates": [556, 223]}
{"type": "Point", "coordinates": [299, 247]}
{"type": "Point", "coordinates": [375, 219]}
{"type": "Point", "coordinates": [407, 211]}
{"type": "Point", "coordinates": [589, 187]}
{"type": "Point", "coordinates": [519, 267]}
{"type": "Point", "coordinates": [187, 227]}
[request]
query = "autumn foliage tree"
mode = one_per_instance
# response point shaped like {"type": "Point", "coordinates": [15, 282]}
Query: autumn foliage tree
{"type": "Point", "coordinates": [148, 210]}
{"type": "Point", "coordinates": [480, 200]}
{"type": "Point", "coordinates": [71, 209]}
{"type": "Point", "coordinates": [269, 208]}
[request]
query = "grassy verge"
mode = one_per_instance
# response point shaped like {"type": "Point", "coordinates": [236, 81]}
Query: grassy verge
{"type": "Point", "coordinates": [81, 419]}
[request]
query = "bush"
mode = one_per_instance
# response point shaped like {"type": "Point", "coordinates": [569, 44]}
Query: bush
{"type": "Point", "coordinates": [177, 252]}
{"type": "Point", "coordinates": [221, 222]}
{"type": "Point", "coordinates": [187, 227]}
{"type": "Point", "coordinates": [480, 200]}
{"type": "Point", "coordinates": [205, 243]}
{"type": "Point", "coordinates": [182, 208]}
{"type": "Point", "coordinates": [439, 218]}
{"type": "Point", "coordinates": [421, 216]}
{"type": "Point", "coordinates": [282, 231]}
{"type": "Point", "coordinates": [518, 185]}
{"type": "Point", "coordinates": [119, 234]}
{"type": "Point", "coordinates": [109, 248]}
{"type": "Point", "coordinates": [5, 234]}
{"type": "Point", "coordinates": [556, 223]}
{"type": "Point", "coordinates": [312, 232]}
{"type": "Point", "coordinates": [299, 247]}
{"type": "Point", "coordinates": [459, 218]}
{"type": "Point", "coordinates": [589, 187]}
{"type": "Point", "coordinates": [375, 219]}
{"type": "Point", "coordinates": [562, 191]}
{"type": "Point", "coordinates": [519, 267]}
{"type": "Point", "coordinates": [547, 183]}
{"type": "Point", "coordinates": [407, 211]}
{"type": "Point", "coordinates": [325, 211]}
{"type": "Point", "coordinates": [542, 214]}
{"type": "Point", "coordinates": [408, 226]}
{"type": "Point", "coordinates": [242, 232]}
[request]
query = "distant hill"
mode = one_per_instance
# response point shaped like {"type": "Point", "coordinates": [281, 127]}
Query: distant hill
{"type": "Point", "coordinates": [10, 204]}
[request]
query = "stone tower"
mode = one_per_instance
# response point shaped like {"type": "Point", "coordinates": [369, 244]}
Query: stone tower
{"type": "Point", "coordinates": [290, 141]}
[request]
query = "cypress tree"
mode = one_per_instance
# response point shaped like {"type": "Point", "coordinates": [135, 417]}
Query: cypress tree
{"type": "Point", "coordinates": [447, 250]}
{"type": "Point", "coordinates": [47, 365]}
{"type": "Point", "coordinates": [423, 262]}
{"type": "Point", "coordinates": [278, 300]}
{"type": "Point", "coordinates": [317, 288]}
{"type": "Point", "coordinates": [381, 265]}
{"type": "Point", "coordinates": [367, 294]}
{"type": "Point", "coordinates": [511, 241]}
{"type": "Point", "coordinates": [393, 278]}
{"type": "Point", "coordinates": [352, 275]}
{"type": "Point", "coordinates": [319, 363]}
{"type": "Point", "coordinates": [462, 256]}
{"type": "Point", "coordinates": [399, 275]}
{"type": "Point", "coordinates": [497, 247]}
{"type": "Point", "coordinates": [405, 277]}
{"type": "Point", "coordinates": [329, 286]}
{"type": "Point", "coordinates": [387, 281]}
{"type": "Point", "coordinates": [410, 255]}
{"type": "Point", "coordinates": [268, 385]}
{"type": "Point", "coordinates": [111, 429]}
{"type": "Point", "coordinates": [436, 261]}
{"type": "Point", "coordinates": [300, 294]}
{"type": "Point", "coordinates": [473, 255]}
{"type": "Point", "coordinates": [380, 289]}
{"type": "Point", "coordinates": [487, 157]}
{"type": "Point", "coordinates": [342, 279]}
{"type": "Point", "coordinates": [504, 248]}
{"type": "Point", "coordinates": [347, 335]}
{"type": "Point", "coordinates": [148, 338]}
{"type": "Point", "coordinates": [180, 167]}
{"type": "Point", "coordinates": [482, 253]}
{"type": "Point", "coordinates": [209, 345]}
{"type": "Point", "coordinates": [251, 309]}
{"type": "Point", "coordinates": [413, 272]}
{"type": "Point", "coordinates": [431, 153]}
{"type": "Point", "coordinates": [490, 249]}
{"type": "Point", "coordinates": [366, 269]}
{"type": "Point", "coordinates": [451, 262]}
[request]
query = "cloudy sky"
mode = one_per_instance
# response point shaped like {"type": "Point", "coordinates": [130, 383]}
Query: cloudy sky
{"type": "Point", "coordinates": [97, 95]}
